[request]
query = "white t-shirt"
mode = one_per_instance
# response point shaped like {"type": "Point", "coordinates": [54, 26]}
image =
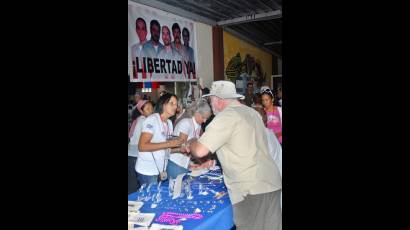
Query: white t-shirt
{"type": "Point", "coordinates": [159, 130]}
{"type": "Point", "coordinates": [275, 149]}
{"type": "Point", "coordinates": [189, 127]}
{"type": "Point", "coordinates": [133, 145]}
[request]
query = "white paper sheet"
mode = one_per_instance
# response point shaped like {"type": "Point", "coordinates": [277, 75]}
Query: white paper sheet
{"type": "Point", "coordinates": [132, 227]}
{"type": "Point", "coordinates": [178, 186]}
{"type": "Point", "coordinates": [134, 206]}
{"type": "Point", "coordinates": [142, 219]}
{"type": "Point", "coordinates": [198, 172]}
{"type": "Point", "coordinates": [166, 227]}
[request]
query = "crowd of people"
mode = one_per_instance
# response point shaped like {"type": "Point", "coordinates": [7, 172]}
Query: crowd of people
{"type": "Point", "coordinates": [242, 134]}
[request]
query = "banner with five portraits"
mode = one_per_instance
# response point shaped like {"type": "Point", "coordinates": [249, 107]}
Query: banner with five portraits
{"type": "Point", "coordinates": [161, 45]}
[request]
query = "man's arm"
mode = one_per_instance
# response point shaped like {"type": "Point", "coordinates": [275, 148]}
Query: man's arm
{"type": "Point", "coordinates": [217, 134]}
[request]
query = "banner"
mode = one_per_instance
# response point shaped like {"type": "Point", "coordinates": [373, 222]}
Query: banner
{"type": "Point", "coordinates": [161, 46]}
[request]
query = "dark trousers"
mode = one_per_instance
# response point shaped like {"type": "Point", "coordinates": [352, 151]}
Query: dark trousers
{"type": "Point", "coordinates": [133, 184]}
{"type": "Point", "coordinates": [259, 212]}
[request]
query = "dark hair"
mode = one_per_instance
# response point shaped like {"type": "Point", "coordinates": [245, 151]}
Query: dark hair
{"type": "Point", "coordinates": [263, 114]}
{"type": "Point", "coordinates": [267, 92]}
{"type": "Point", "coordinates": [154, 22]}
{"type": "Point", "coordinates": [175, 26]}
{"type": "Point", "coordinates": [205, 91]}
{"type": "Point", "coordinates": [186, 30]}
{"type": "Point", "coordinates": [140, 19]}
{"type": "Point", "coordinates": [249, 84]}
{"type": "Point", "coordinates": [205, 124]}
{"type": "Point", "coordinates": [164, 99]}
{"type": "Point", "coordinates": [135, 114]}
{"type": "Point", "coordinates": [257, 98]}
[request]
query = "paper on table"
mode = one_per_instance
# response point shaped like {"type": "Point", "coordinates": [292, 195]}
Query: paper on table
{"type": "Point", "coordinates": [134, 206]}
{"type": "Point", "coordinates": [198, 172]}
{"type": "Point", "coordinates": [131, 227]}
{"type": "Point", "coordinates": [166, 227]}
{"type": "Point", "coordinates": [178, 186]}
{"type": "Point", "coordinates": [143, 219]}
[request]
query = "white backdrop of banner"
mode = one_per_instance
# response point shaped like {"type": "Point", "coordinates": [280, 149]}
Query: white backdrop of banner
{"type": "Point", "coordinates": [165, 55]}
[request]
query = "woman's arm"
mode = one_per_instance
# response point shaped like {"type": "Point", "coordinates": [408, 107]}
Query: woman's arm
{"type": "Point", "coordinates": [145, 144]}
{"type": "Point", "coordinates": [184, 138]}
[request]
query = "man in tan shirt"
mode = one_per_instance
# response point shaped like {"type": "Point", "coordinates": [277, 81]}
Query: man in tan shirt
{"type": "Point", "coordinates": [237, 135]}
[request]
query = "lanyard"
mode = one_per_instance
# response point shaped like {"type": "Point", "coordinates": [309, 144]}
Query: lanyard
{"type": "Point", "coordinates": [195, 131]}
{"type": "Point", "coordinates": [165, 134]}
{"type": "Point", "coordinates": [164, 128]}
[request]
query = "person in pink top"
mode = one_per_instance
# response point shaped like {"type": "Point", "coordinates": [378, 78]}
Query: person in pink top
{"type": "Point", "coordinates": [273, 114]}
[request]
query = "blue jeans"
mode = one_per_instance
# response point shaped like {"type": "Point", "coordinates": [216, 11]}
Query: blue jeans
{"type": "Point", "coordinates": [173, 170]}
{"type": "Point", "coordinates": [145, 179]}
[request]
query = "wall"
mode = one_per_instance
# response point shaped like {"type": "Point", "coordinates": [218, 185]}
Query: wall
{"type": "Point", "coordinates": [233, 45]}
{"type": "Point", "coordinates": [204, 54]}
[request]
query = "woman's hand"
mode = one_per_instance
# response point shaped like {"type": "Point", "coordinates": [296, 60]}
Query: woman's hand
{"type": "Point", "coordinates": [175, 143]}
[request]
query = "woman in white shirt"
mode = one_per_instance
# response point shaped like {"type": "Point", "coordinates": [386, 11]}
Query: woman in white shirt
{"type": "Point", "coordinates": [142, 110]}
{"type": "Point", "coordinates": [186, 129]}
{"type": "Point", "coordinates": [153, 144]}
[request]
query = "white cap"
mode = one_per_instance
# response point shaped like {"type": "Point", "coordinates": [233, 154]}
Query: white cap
{"type": "Point", "coordinates": [224, 90]}
{"type": "Point", "coordinates": [263, 88]}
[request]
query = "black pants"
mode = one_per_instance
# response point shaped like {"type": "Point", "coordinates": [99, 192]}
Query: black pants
{"type": "Point", "coordinates": [133, 184]}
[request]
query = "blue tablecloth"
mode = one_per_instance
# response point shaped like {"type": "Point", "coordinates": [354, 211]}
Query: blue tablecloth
{"type": "Point", "coordinates": [217, 213]}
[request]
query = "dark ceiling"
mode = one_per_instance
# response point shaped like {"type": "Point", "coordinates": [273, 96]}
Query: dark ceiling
{"type": "Point", "coordinates": [258, 21]}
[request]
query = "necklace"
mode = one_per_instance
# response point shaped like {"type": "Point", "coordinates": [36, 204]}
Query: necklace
{"type": "Point", "coordinates": [195, 131]}
{"type": "Point", "coordinates": [164, 129]}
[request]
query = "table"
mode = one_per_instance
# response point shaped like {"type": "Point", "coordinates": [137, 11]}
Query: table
{"type": "Point", "coordinates": [215, 213]}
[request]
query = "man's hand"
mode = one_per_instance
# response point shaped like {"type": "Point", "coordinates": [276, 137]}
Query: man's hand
{"type": "Point", "coordinates": [193, 166]}
{"type": "Point", "coordinates": [185, 149]}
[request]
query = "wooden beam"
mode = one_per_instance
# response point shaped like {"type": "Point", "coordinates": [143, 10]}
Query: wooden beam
{"type": "Point", "coordinates": [218, 53]}
{"type": "Point", "coordinates": [272, 43]}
